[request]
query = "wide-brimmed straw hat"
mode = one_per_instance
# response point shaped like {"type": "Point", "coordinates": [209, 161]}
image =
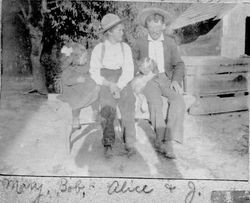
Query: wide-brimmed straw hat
{"type": "Point", "coordinates": [109, 21]}
{"type": "Point", "coordinates": [142, 16]}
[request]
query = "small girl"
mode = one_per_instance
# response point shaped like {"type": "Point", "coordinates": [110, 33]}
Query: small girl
{"type": "Point", "coordinates": [78, 89]}
{"type": "Point", "coordinates": [147, 71]}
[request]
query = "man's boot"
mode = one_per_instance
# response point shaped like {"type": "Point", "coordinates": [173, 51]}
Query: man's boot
{"type": "Point", "coordinates": [169, 151]}
{"type": "Point", "coordinates": [168, 145]}
{"type": "Point", "coordinates": [128, 133]}
{"type": "Point", "coordinates": [159, 145]}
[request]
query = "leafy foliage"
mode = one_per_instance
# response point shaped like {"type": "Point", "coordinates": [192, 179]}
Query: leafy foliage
{"type": "Point", "coordinates": [79, 21]}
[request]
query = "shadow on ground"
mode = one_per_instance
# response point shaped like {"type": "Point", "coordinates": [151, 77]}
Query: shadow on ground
{"type": "Point", "coordinates": [146, 163]}
{"type": "Point", "coordinates": [34, 135]}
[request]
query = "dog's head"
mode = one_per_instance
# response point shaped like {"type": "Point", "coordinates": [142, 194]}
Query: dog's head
{"type": "Point", "coordinates": [147, 65]}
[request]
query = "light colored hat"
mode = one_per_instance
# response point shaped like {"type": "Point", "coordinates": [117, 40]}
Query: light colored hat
{"type": "Point", "coordinates": [142, 16]}
{"type": "Point", "coordinates": [109, 21]}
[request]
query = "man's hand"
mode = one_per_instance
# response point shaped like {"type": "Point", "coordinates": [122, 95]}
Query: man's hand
{"type": "Point", "coordinates": [176, 87]}
{"type": "Point", "coordinates": [115, 90]}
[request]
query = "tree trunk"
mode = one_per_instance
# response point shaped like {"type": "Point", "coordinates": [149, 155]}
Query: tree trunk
{"type": "Point", "coordinates": [38, 71]}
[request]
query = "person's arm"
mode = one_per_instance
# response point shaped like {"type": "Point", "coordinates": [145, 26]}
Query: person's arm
{"type": "Point", "coordinates": [177, 63]}
{"type": "Point", "coordinates": [96, 65]}
{"type": "Point", "coordinates": [128, 68]}
{"type": "Point", "coordinates": [95, 71]}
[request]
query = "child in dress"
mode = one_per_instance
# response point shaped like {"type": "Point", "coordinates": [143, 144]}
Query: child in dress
{"type": "Point", "coordinates": [79, 90]}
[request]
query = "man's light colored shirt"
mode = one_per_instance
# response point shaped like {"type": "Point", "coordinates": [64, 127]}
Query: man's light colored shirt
{"type": "Point", "coordinates": [156, 52]}
{"type": "Point", "coordinates": [114, 58]}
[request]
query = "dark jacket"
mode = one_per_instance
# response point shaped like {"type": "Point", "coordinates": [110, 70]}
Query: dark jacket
{"type": "Point", "coordinates": [174, 66]}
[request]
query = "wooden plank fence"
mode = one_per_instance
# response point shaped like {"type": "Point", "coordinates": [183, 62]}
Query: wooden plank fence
{"type": "Point", "coordinates": [219, 84]}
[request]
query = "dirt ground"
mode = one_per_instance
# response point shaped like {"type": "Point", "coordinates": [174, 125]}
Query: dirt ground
{"type": "Point", "coordinates": [34, 133]}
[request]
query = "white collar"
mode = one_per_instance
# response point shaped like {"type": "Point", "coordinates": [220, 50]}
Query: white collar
{"type": "Point", "coordinates": [161, 38]}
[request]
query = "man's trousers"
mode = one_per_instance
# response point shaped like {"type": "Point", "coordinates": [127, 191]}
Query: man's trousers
{"type": "Point", "coordinates": [172, 128]}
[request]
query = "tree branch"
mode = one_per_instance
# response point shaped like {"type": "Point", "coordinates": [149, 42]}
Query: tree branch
{"type": "Point", "coordinates": [25, 16]}
{"type": "Point", "coordinates": [56, 6]}
{"type": "Point", "coordinates": [22, 18]}
{"type": "Point", "coordinates": [45, 7]}
{"type": "Point", "coordinates": [30, 9]}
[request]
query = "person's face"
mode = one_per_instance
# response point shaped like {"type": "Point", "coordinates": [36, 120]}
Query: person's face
{"type": "Point", "coordinates": [155, 29]}
{"type": "Point", "coordinates": [116, 34]}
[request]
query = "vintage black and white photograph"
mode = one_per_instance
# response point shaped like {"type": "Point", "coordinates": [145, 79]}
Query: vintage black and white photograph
{"type": "Point", "coordinates": [125, 89]}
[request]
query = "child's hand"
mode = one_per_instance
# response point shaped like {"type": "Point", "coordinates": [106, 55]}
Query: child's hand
{"type": "Point", "coordinates": [80, 79]}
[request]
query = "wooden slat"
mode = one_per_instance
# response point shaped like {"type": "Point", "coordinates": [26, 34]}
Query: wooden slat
{"type": "Point", "coordinates": [211, 65]}
{"type": "Point", "coordinates": [216, 84]}
{"type": "Point", "coordinates": [207, 70]}
{"type": "Point", "coordinates": [213, 60]}
{"type": "Point", "coordinates": [209, 105]}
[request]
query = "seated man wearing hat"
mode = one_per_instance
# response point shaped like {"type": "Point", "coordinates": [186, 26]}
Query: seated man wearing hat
{"type": "Point", "coordinates": [163, 49]}
{"type": "Point", "coordinates": [111, 66]}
